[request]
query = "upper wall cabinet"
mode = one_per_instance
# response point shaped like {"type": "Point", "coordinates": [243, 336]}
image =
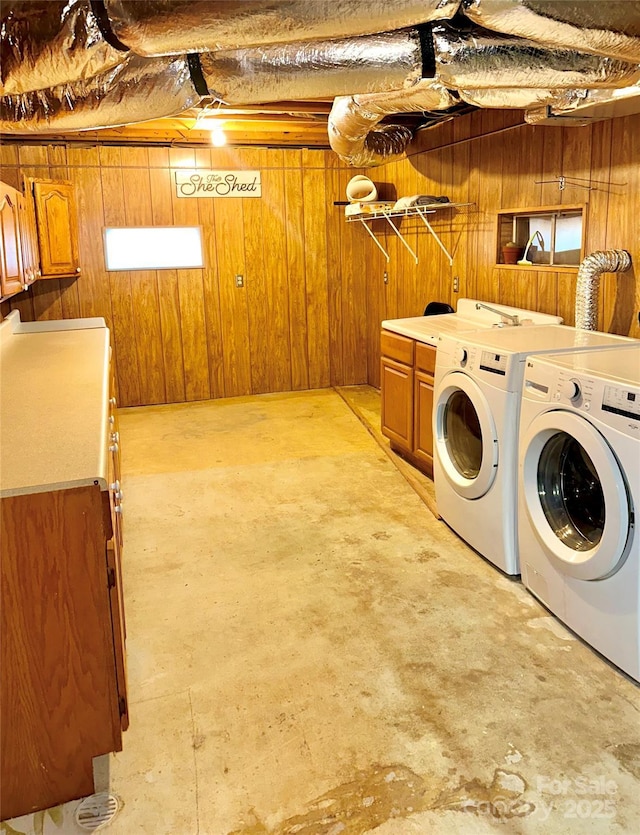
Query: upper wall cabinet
{"type": "Point", "coordinates": [11, 202]}
{"type": "Point", "coordinates": [57, 227]}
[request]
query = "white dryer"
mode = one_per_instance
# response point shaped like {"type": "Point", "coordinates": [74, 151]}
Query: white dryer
{"type": "Point", "coordinates": [478, 383]}
{"type": "Point", "coordinates": [579, 471]}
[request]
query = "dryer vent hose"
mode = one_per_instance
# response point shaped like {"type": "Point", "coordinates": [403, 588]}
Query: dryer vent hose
{"type": "Point", "coordinates": [588, 286]}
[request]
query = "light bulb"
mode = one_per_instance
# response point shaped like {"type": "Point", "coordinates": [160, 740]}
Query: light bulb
{"type": "Point", "coordinates": [218, 137]}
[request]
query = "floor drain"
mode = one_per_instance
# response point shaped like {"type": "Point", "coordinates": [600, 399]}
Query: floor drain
{"type": "Point", "coordinates": [97, 811]}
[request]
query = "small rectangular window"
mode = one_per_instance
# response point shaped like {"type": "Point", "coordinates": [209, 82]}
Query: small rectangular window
{"type": "Point", "coordinates": [153, 248]}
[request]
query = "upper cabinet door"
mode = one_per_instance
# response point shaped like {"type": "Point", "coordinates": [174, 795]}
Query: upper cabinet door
{"type": "Point", "coordinates": [10, 241]}
{"type": "Point", "coordinates": [57, 227]}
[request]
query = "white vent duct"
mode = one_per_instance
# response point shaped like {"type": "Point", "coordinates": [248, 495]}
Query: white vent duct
{"type": "Point", "coordinates": [355, 132]}
{"type": "Point", "coordinates": [150, 27]}
{"type": "Point", "coordinates": [318, 69]}
{"type": "Point", "coordinates": [588, 285]}
{"type": "Point", "coordinates": [47, 43]}
{"type": "Point", "coordinates": [602, 27]}
{"type": "Point", "coordinates": [135, 91]}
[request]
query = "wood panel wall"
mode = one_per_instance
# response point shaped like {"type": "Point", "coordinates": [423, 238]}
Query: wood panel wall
{"type": "Point", "coordinates": [299, 321]}
{"type": "Point", "coordinates": [494, 161]}
{"type": "Point", "coordinates": [315, 290]}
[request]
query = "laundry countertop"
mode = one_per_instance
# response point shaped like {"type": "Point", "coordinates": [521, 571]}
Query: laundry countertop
{"type": "Point", "coordinates": [54, 403]}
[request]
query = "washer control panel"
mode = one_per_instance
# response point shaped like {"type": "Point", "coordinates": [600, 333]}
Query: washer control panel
{"type": "Point", "coordinates": [620, 401]}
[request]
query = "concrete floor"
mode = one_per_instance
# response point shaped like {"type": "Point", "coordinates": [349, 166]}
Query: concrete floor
{"type": "Point", "coordinates": [311, 652]}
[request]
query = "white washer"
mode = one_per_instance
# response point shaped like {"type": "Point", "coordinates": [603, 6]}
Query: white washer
{"type": "Point", "coordinates": [579, 471]}
{"type": "Point", "coordinates": [478, 383]}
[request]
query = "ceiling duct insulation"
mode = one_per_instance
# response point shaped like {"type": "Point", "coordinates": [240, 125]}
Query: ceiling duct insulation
{"type": "Point", "coordinates": [479, 58]}
{"type": "Point", "coordinates": [314, 69]}
{"type": "Point", "coordinates": [509, 97]}
{"type": "Point", "coordinates": [582, 107]}
{"type": "Point", "coordinates": [154, 27]}
{"type": "Point", "coordinates": [602, 27]}
{"type": "Point", "coordinates": [45, 43]}
{"type": "Point", "coordinates": [355, 132]}
{"type": "Point", "coordinates": [135, 91]}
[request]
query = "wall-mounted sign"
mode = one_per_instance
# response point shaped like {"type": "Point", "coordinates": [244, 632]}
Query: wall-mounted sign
{"type": "Point", "coordinates": [205, 183]}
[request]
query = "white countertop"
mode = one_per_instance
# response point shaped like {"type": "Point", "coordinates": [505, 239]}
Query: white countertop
{"type": "Point", "coordinates": [54, 402]}
{"type": "Point", "coordinates": [467, 318]}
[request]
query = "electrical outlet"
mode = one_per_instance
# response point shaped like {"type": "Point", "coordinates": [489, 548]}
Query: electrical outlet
{"type": "Point", "coordinates": [385, 277]}
{"type": "Point", "coordinates": [239, 280]}
{"type": "Point", "coordinates": [456, 284]}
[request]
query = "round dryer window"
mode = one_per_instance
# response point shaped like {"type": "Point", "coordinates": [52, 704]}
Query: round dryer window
{"type": "Point", "coordinates": [465, 439]}
{"type": "Point", "coordinates": [575, 494]}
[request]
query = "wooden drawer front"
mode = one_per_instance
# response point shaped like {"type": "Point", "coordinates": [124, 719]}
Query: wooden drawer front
{"type": "Point", "coordinates": [396, 347]}
{"type": "Point", "coordinates": [426, 358]}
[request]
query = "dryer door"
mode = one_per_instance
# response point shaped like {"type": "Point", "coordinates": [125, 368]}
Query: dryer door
{"type": "Point", "coordinates": [466, 441]}
{"type": "Point", "coordinates": [575, 494]}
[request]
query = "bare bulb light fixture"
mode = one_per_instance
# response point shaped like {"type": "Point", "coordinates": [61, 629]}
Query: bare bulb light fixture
{"type": "Point", "coordinates": [523, 261]}
{"type": "Point", "coordinates": [218, 137]}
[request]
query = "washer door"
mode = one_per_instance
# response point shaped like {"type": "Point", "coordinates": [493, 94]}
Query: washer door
{"type": "Point", "coordinates": [465, 436]}
{"type": "Point", "coordinates": [575, 494]}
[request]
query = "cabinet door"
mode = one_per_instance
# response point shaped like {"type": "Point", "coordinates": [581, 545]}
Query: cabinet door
{"type": "Point", "coordinates": [57, 227]}
{"type": "Point", "coordinates": [118, 627]}
{"type": "Point", "coordinates": [423, 426]}
{"type": "Point", "coordinates": [29, 238]}
{"type": "Point", "coordinates": [10, 242]}
{"type": "Point", "coordinates": [397, 403]}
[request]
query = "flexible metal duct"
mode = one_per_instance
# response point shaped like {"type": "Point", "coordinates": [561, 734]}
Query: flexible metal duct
{"type": "Point", "coordinates": [604, 28]}
{"type": "Point", "coordinates": [135, 91]}
{"type": "Point", "coordinates": [318, 69]}
{"type": "Point", "coordinates": [165, 27]}
{"type": "Point", "coordinates": [479, 59]}
{"type": "Point", "coordinates": [45, 43]}
{"type": "Point", "coordinates": [354, 128]}
{"type": "Point", "coordinates": [588, 286]}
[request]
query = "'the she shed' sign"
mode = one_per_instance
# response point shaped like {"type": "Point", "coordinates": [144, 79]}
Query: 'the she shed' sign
{"type": "Point", "coordinates": [206, 183]}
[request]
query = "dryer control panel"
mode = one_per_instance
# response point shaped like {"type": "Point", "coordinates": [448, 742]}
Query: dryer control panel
{"type": "Point", "coordinates": [620, 401]}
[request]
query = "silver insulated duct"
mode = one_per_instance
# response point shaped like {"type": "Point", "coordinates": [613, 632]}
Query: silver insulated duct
{"type": "Point", "coordinates": [165, 27]}
{"type": "Point", "coordinates": [588, 286]}
{"type": "Point", "coordinates": [135, 91]}
{"type": "Point", "coordinates": [318, 69]}
{"type": "Point", "coordinates": [355, 132]}
{"type": "Point", "coordinates": [602, 27]}
{"type": "Point", "coordinates": [479, 59]}
{"type": "Point", "coordinates": [46, 43]}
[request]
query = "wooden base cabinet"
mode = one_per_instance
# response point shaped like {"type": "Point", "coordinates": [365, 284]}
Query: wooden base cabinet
{"type": "Point", "coordinates": [407, 398]}
{"type": "Point", "coordinates": [63, 698]}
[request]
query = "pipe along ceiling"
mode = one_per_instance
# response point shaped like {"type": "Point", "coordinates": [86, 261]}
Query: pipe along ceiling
{"type": "Point", "coordinates": [87, 64]}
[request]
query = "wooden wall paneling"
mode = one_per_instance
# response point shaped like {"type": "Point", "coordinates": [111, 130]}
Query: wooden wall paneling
{"type": "Point", "coordinates": [107, 183]}
{"type": "Point", "coordinates": [272, 316]}
{"type": "Point", "coordinates": [233, 300]}
{"type": "Point", "coordinates": [144, 283]}
{"type": "Point", "coordinates": [460, 226]}
{"type": "Point", "coordinates": [206, 215]}
{"type": "Point", "coordinates": [442, 223]}
{"type": "Point", "coordinates": [576, 162]}
{"type": "Point", "coordinates": [353, 315]}
{"type": "Point", "coordinates": [160, 181]}
{"type": "Point", "coordinates": [275, 247]}
{"type": "Point", "coordinates": [339, 234]}
{"type": "Point", "coordinates": [316, 267]}
{"type": "Point", "coordinates": [191, 295]}
{"type": "Point", "coordinates": [547, 284]}
{"type": "Point", "coordinates": [494, 176]}
{"type": "Point", "coordinates": [597, 210]}
{"type": "Point", "coordinates": [405, 264]}
{"type": "Point", "coordinates": [551, 166]}
{"type": "Point", "coordinates": [473, 219]}
{"type": "Point", "coordinates": [622, 223]}
{"type": "Point", "coordinates": [294, 224]}
{"type": "Point", "coordinates": [9, 164]}
{"type": "Point", "coordinates": [258, 283]}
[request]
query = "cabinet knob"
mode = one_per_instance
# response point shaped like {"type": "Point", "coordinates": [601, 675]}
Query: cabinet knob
{"type": "Point", "coordinates": [112, 419]}
{"type": "Point", "coordinates": [115, 486]}
{"type": "Point", "coordinates": [77, 269]}
{"type": "Point", "coordinates": [115, 436]}
{"type": "Point", "coordinates": [114, 448]}
{"type": "Point", "coordinates": [117, 508]}
{"type": "Point", "coordinates": [113, 402]}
